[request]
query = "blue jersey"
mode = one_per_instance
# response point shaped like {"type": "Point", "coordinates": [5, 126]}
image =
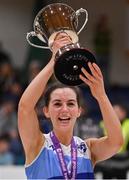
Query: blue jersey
{"type": "Point", "coordinates": [47, 166]}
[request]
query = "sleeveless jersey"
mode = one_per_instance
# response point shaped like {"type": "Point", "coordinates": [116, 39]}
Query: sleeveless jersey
{"type": "Point", "coordinates": [46, 165]}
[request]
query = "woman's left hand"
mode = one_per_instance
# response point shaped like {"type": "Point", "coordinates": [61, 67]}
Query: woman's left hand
{"type": "Point", "coordinates": [94, 81]}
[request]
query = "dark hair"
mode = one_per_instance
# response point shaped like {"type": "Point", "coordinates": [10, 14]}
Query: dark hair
{"type": "Point", "coordinates": [58, 85]}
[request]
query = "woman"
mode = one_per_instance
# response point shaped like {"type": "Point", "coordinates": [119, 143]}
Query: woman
{"type": "Point", "coordinates": [59, 155]}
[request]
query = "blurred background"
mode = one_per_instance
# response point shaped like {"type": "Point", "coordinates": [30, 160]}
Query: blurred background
{"type": "Point", "coordinates": [106, 35]}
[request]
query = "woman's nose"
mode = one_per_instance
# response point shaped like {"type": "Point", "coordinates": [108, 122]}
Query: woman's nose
{"type": "Point", "coordinates": [64, 107]}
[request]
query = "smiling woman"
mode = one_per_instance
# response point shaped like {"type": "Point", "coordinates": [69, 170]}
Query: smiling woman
{"type": "Point", "coordinates": [62, 106]}
{"type": "Point", "coordinates": [71, 157]}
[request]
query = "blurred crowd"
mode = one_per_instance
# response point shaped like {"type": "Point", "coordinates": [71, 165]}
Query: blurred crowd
{"type": "Point", "coordinates": [10, 91]}
{"type": "Point", "coordinates": [13, 82]}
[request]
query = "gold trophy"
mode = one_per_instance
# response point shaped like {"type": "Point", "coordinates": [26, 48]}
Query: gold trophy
{"type": "Point", "coordinates": [69, 59]}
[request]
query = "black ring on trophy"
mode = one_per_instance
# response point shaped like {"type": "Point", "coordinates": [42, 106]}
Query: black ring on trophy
{"type": "Point", "coordinates": [69, 63]}
{"type": "Point", "coordinates": [56, 18]}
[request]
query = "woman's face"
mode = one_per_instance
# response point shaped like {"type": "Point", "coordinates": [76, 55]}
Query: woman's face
{"type": "Point", "coordinates": [63, 109]}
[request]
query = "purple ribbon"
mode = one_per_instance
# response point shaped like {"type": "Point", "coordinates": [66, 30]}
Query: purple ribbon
{"type": "Point", "coordinates": [57, 146]}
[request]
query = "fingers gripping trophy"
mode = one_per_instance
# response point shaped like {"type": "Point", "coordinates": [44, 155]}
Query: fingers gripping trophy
{"type": "Point", "coordinates": [69, 59]}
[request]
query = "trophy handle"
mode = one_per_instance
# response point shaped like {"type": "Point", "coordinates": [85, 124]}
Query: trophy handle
{"type": "Point", "coordinates": [33, 34]}
{"type": "Point", "coordinates": [78, 12]}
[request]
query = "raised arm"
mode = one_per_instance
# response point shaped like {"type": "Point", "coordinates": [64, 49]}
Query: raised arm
{"type": "Point", "coordinates": [28, 125]}
{"type": "Point", "coordinates": [105, 147]}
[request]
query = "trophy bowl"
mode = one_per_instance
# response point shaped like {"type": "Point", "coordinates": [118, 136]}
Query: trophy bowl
{"type": "Point", "coordinates": [49, 22]}
{"type": "Point", "coordinates": [55, 18]}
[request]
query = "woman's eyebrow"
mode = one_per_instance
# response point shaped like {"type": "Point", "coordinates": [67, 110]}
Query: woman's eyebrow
{"type": "Point", "coordinates": [72, 100]}
{"type": "Point", "coordinates": [58, 100]}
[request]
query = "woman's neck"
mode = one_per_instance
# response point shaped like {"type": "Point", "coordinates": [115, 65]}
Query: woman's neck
{"type": "Point", "coordinates": [64, 137]}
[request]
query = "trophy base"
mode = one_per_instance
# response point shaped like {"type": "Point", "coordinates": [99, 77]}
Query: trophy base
{"type": "Point", "coordinates": [68, 65]}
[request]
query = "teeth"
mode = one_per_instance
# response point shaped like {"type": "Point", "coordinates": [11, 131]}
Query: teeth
{"type": "Point", "coordinates": [67, 118]}
{"type": "Point", "coordinates": [64, 118]}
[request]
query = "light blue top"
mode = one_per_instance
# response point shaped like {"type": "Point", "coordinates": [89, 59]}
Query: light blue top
{"type": "Point", "coordinates": [46, 165]}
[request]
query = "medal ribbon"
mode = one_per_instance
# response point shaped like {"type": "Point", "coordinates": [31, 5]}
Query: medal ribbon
{"type": "Point", "coordinates": [65, 172]}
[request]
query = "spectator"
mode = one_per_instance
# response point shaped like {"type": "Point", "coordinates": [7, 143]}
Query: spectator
{"type": "Point", "coordinates": [102, 45]}
{"type": "Point", "coordinates": [6, 77]}
{"type": "Point", "coordinates": [30, 72]}
{"type": "Point", "coordinates": [33, 69]}
{"type": "Point", "coordinates": [14, 92]}
{"type": "Point", "coordinates": [16, 148]}
{"type": "Point", "coordinates": [86, 127]}
{"type": "Point", "coordinates": [6, 158]}
{"type": "Point", "coordinates": [118, 165]}
{"type": "Point", "coordinates": [8, 119]}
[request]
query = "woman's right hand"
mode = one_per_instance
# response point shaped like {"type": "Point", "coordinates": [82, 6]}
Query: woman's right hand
{"type": "Point", "coordinates": [60, 40]}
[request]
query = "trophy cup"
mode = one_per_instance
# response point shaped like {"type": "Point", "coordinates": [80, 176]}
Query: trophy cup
{"type": "Point", "coordinates": [69, 59]}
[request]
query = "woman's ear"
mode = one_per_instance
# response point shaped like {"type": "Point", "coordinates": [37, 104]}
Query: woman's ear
{"type": "Point", "coordinates": [45, 111]}
{"type": "Point", "coordinates": [79, 111]}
